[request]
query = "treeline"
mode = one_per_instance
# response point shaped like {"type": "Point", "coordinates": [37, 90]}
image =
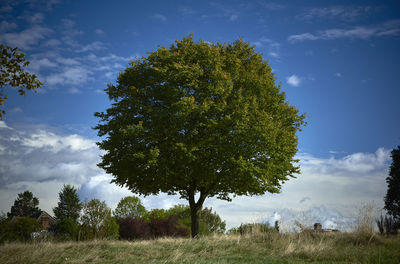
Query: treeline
{"type": "Point", "coordinates": [93, 219]}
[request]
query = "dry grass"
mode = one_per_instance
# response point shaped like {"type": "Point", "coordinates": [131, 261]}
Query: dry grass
{"type": "Point", "coordinates": [251, 248]}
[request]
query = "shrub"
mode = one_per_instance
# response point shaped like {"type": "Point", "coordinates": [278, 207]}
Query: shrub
{"type": "Point", "coordinates": [66, 229]}
{"type": "Point", "coordinates": [134, 228]}
{"type": "Point", "coordinates": [245, 229]}
{"type": "Point", "coordinates": [387, 225]}
{"type": "Point", "coordinates": [167, 227]}
{"type": "Point", "coordinates": [22, 227]}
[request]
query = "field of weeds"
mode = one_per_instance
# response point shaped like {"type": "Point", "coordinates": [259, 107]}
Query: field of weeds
{"type": "Point", "coordinates": [251, 248]}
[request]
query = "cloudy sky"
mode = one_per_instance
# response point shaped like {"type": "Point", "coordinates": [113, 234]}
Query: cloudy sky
{"type": "Point", "coordinates": [338, 63]}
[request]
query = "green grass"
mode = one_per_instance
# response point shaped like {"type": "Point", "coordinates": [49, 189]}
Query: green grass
{"type": "Point", "coordinates": [253, 248]}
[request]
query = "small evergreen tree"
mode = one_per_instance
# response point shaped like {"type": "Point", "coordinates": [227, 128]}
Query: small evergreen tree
{"type": "Point", "coordinates": [392, 198]}
{"type": "Point", "coordinates": [69, 205]}
{"type": "Point", "coordinates": [25, 205]}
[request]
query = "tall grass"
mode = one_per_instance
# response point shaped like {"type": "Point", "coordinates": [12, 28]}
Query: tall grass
{"type": "Point", "coordinates": [254, 247]}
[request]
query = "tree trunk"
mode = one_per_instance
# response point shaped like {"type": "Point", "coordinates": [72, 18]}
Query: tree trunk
{"type": "Point", "coordinates": [194, 215]}
{"type": "Point", "coordinates": [195, 208]}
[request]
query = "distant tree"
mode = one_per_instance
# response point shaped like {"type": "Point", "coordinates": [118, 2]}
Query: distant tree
{"type": "Point", "coordinates": [97, 220]}
{"type": "Point", "coordinates": [12, 73]}
{"type": "Point", "coordinates": [392, 198]}
{"type": "Point", "coordinates": [66, 229]}
{"type": "Point", "coordinates": [155, 214]}
{"type": "Point", "coordinates": [201, 120]}
{"type": "Point", "coordinates": [22, 228]}
{"type": "Point", "coordinates": [69, 205]}
{"type": "Point", "coordinates": [209, 221]}
{"type": "Point", "coordinates": [130, 206]}
{"type": "Point", "coordinates": [25, 205]}
{"type": "Point", "coordinates": [212, 221]}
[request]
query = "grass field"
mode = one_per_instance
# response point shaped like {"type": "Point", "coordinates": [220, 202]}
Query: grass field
{"type": "Point", "coordinates": [253, 248]}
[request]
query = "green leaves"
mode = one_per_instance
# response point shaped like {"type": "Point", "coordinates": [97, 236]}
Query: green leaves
{"type": "Point", "coordinates": [69, 205]}
{"type": "Point", "coordinates": [199, 118]}
{"type": "Point", "coordinates": [12, 73]}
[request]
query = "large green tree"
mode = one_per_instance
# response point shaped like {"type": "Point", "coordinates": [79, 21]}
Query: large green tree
{"type": "Point", "coordinates": [392, 198]}
{"type": "Point", "coordinates": [201, 120]}
{"type": "Point", "coordinates": [68, 205]}
{"type": "Point", "coordinates": [13, 74]}
{"type": "Point", "coordinates": [130, 206]}
{"type": "Point", "coordinates": [25, 205]}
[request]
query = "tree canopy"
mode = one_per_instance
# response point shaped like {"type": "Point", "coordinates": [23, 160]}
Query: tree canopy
{"type": "Point", "coordinates": [97, 221]}
{"type": "Point", "coordinates": [392, 198]}
{"type": "Point", "coordinates": [69, 205]}
{"type": "Point", "coordinates": [25, 205]}
{"type": "Point", "coordinates": [12, 73]}
{"type": "Point", "coordinates": [130, 206]}
{"type": "Point", "coordinates": [199, 119]}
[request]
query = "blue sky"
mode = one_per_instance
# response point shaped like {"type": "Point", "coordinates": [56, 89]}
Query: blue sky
{"type": "Point", "coordinates": [338, 62]}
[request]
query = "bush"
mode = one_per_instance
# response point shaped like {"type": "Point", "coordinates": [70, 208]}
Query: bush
{"type": "Point", "coordinates": [245, 229]}
{"type": "Point", "coordinates": [167, 227]}
{"type": "Point", "coordinates": [137, 228]}
{"type": "Point", "coordinates": [66, 229]}
{"type": "Point", "coordinates": [387, 225]}
{"type": "Point", "coordinates": [134, 228]}
{"type": "Point", "coordinates": [22, 227]}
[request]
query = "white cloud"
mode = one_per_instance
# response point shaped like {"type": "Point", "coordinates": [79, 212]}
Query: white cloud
{"type": "Point", "coordinates": [54, 143]}
{"type": "Point", "coordinates": [94, 46]}
{"type": "Point", "coordinates": [293, 80]}
{"type": "Point", "coordinates": [70, 75]}
{"type": "Point", "coordinates": [226, 11]}
{"type": "Point", "coordinates": [74, 90]}
{"type": "Point", "coordinates": [4, 125]}
{"type": "Point", "coordinates": [37, 64]}
{"type": "Point", "coordinates": [328, 190]}
{"type": "Point", "coordinates": [272, 6]}
{"type": "Point", "coordinates": [52, 42]}
{"type": "Point", "coordinates": [345, 13]}
{"type": "Point", "coordinates": [390, 28]}
{"type": "Point", "coordinates": [99, 31]}
{"type": "Point", "coordinates": [27, 38]}
{"type": "Point", "coordinates": [35, 18]}
{"type": "Point", "coordinates": [16, 110]}
{"type": "Point", "coordinates": [184, 10]}
{"type": "Point", "coordinates": [338, 74]}
{"type": "Point", "coordinates": [159, 17]}
{"type": "Point", "coordinates": [6, 26]}
{"type": "Point", "coordinates": [272, 47]}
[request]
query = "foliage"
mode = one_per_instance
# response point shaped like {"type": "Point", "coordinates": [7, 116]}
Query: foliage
{"type": "Point", "coordinates": [155, 214]}
{"type": "Point", "coordinates": [387, 225]}
{"type": "Point", "coordinates": [209, 222]}
{"type": "Point", "coordinates": [212, 221]}
{"type": "Point", "coordinates": [392, 198]}
{"type": "Point", "coordinates": [12, 73]}
{"type": "Point", "coordinates": [66, 229]}
{"type": "Point", "coordinates": [69, 205]}
{"type": "Point", "coordinates": [246, 229]}
{"type": "Point", "coordinates": [137, 228]}
{"type": "Point", "coordinates": [25, 205]}
{"type": "Point", "coordinates": [130, 206]}
{"type": "Point", "coordinates": [167, 227]}
{"type": "Point", "coordinates": [199, 119]}
{"type": "Point", "coordinates": [22, 227]}
{"type": "Point", "coordinates": [97, 221]}
{"type": "Point", "coordinates": [133, 228]}
{"type": "Point", "coordinates": [4, 228]}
